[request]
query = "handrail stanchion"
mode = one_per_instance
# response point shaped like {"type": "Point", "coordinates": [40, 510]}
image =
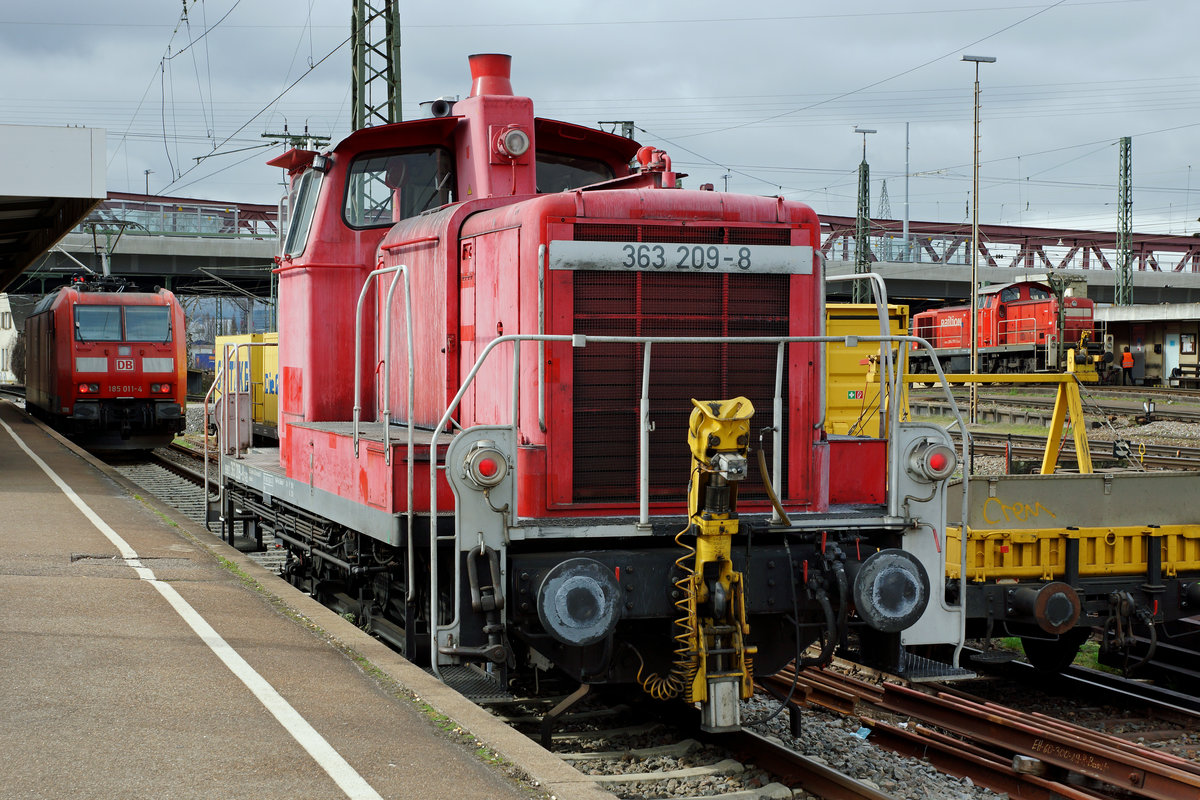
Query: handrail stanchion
{"type": "Point", "coordinates": [644, 444]}
{"type": "Point", "coordinates": [879, 292]}
{"type": "Point", "coordinates": [220, 464]}
{"type": "Point", "coordinates": [362, 296]}
{"type": "Point", "coordinates": [777, 433]}
{"type": "Point", "coordinates": [237, 399]}
{"type": "Point", "coordinates": [410, 516]}
{"type": "Point", "coordinates": [964, 535]}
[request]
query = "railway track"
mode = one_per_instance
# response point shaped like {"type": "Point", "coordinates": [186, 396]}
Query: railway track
{"type": "Point", "coordinates": [669, 757]}
{"type": "Point", "coordinates": [181, 486]}
{"type": "Point", "coordinates": [1186, 409]}
{"type": "Point", "coordinates": [1075, 681]}
{"type": "Point", "coordinates": [1024, 754]}
{"type": "Point", "coordinates": [1147, 456]}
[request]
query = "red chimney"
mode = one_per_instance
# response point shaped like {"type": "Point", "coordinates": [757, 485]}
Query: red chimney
{"type": "Point", "coordinates": [490, 74]}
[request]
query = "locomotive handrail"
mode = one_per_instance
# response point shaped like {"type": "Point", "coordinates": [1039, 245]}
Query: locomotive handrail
{"type": "Point", "coordinates": [879, 292]}
{"type": "Point", "coordinates": [968, 469]}
{"type": "Point", "coordinates": [222, 432]}
{"type": "Point", "coordinates": [237, 391]}
{"type": "Point", "coordinates": [220, 465]}
{"type": "Point", "coordinates": [387, 384]}
{"type": "Point", "coordinates": [581, 340]}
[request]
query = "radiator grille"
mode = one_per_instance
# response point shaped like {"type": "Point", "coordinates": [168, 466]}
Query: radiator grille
{"type": "Point", "coordinates": [608, 377]}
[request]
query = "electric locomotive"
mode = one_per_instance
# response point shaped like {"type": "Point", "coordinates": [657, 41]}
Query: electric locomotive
{"type": "Point", "coordinates": [106, 366]}
{"type": "Point", "coordinates": [542, 411]}
{"type": "Point", "coordinates": [1022, 327]}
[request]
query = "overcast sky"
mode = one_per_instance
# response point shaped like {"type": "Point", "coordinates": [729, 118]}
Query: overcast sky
{"type": "Point", "coordinates": [760, 96]}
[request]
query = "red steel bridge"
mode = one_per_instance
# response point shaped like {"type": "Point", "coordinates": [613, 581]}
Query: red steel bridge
{"type": "Point", "coordinates": [937, 258]}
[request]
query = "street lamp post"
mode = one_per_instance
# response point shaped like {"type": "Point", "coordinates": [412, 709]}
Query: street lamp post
{"type": "Point", "coordinates": [974, 411]}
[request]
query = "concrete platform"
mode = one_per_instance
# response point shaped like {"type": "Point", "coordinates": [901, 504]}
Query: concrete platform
{"type": "Point", "coordinates": [142, 657]}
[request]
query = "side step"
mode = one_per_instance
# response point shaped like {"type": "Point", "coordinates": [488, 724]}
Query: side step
{"type": "Point", "coordinates": [474, 683]}
{"type": "Point", "coordinates": [919, 669]}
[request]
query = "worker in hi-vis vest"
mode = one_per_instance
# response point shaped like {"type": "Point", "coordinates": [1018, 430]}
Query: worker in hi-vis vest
{"type": "Point", "coordinates": [1127, 367]}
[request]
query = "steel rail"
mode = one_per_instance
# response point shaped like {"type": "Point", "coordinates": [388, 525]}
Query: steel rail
{"type": "Point", "coordinates": [1038, 738]}
{"type": "Point", "coordinates": [181, 470]}
{"type": "Point", "coordinates": [1162, 412]}
{"type": "Point", "coordinates": [1077, 681]}
{"type": "Point", "coordinates": [963, 760]}
{"type": "Point", "coordinates": [797, 769]}
{"type": "Point", "coordinates": [1138, 771]}
{"type": "Point", "coordinates": [1159, 455]}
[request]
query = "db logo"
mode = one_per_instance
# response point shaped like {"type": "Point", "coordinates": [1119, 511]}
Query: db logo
{"type": "Point", "coordinates": [124, 364]}
{"type": "Point", "coordinates": [854, 395]}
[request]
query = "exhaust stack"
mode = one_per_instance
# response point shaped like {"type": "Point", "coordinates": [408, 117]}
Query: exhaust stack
{"type": "Point", "coordinates": [490, 74]}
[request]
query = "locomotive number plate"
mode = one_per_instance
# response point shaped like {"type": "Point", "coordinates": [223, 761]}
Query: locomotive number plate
{"type": "Point", "coordinates": [680, 257]}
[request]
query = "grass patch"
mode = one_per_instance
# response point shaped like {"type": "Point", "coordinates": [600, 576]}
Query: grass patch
{"type": "Point", "coordinates": [162, 516]}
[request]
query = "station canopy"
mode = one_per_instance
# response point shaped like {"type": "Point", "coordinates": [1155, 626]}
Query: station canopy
{"type": "Point", "coordinates": [50, 181]}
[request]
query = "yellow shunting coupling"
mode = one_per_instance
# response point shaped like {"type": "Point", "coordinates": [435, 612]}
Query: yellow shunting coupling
{"type": "Point", "coordinates": [719, 671]}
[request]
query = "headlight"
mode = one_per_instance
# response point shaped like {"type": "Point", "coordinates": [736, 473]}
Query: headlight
{"type": "Point", "coordinates": [931, 461]}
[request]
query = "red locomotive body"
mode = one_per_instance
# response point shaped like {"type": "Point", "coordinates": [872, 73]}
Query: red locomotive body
{"type": "Point", "coordinates": [493, 337]}
{"type": "Point", "coordinates": [108, 368]}
{"type": "Point", "coordinates": [1019, 329]}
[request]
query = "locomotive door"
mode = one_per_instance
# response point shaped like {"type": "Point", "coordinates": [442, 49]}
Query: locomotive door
{"type": "Point", "coordinates": [1170, 352]}
{"type": "Point", "coordinates": [489, 308]}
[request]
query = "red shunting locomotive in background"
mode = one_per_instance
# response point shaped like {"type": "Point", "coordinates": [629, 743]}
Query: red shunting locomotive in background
{"type": "Point", "coordinates": [106, 367]}
{"type": "Point", "coordinates": [520, 383]}
{"type": "Point", "coordinates": [1022, 327]}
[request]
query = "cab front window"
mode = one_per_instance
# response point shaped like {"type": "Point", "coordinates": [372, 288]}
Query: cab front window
{"type": "Point", "coordinates": [383, 188]}
{"type": "Point", "coordinates": [147, 324]}
{"type": "Point", "coordinates": [557, 173]}
{"type": "Point", "coordinates": [98, 323]}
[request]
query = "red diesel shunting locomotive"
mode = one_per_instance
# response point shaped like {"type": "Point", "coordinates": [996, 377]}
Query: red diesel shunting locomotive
{"type": "Point", "coordinates": [1020, 329]}
{"type": "Point", "coordinates": [491, 336]}
{"type": "Point", "coordinates": [108, 368]}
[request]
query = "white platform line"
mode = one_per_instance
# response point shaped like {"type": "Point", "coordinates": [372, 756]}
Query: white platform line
{"type": "Point", "coordinates": [346, 777]}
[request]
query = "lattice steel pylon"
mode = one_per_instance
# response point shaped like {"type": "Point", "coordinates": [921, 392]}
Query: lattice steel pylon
{"type": "Point", "coordinates": [1123, 296]}
{"type": "Point", "coordinates": [862, 233]}
{"type": "Point", "coordinates": [885, 205]}
{"type": "Point", "coordinates": [375, 47]}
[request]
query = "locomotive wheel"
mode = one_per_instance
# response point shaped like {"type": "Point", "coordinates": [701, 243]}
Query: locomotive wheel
{"type": "Point", "coordinates": [1055, 655]}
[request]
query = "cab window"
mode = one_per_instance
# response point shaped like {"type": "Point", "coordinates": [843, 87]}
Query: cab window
{"type": "Point", "coordinates": [147, 323]}
{"type": "Point", "coordinates": [1010, 294]}
{"type": "Point", "coordinates": [98, 323]}
{"type": "Point", "coordinates": [557, 173]}
{"type": "Point", "coordinates": [302, 202]}
{"type": "Point", "coordinates": [1037, 293]}
{"type": "Point", "coordinates": [383, 188]}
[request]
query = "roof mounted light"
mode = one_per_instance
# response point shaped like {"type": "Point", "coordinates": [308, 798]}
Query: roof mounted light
{"type": "Point", "coordinates": [512, 142]}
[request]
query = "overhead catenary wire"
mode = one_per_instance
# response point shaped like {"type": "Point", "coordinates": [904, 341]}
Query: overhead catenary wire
{"type": "Point", "coordinates": [264, 109]}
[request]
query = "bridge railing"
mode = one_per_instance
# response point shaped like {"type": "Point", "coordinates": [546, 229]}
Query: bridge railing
{"type": "Point", "coordinates": [1005, 247]}
{"type": "Point", "coordinates": [166, 217]}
